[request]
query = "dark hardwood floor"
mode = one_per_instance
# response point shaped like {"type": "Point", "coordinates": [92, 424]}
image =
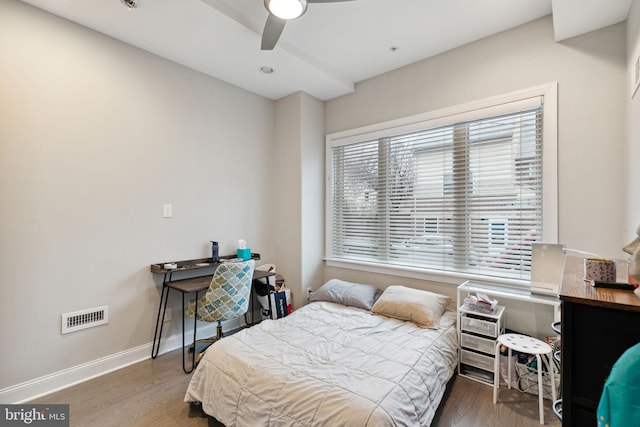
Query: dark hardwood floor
{"type": "Point", "coordinates": [150, 393]}
{"type": "Point", "coordinates": [470, 404]}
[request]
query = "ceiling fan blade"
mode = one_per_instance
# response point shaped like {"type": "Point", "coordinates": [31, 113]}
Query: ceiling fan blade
{"type": "Point", "coordinates": [272, 31]}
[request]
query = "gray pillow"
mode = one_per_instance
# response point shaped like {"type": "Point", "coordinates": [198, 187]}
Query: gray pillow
{"type": "Point", "coordinates": [347, 293]}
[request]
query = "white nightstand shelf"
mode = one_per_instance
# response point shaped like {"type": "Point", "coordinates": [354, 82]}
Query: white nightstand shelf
{"type": "Point", "coordinates": [477, 333]}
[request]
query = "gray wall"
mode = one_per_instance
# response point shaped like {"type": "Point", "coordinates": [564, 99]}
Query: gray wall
{"type": "Point", "coordinates": [593, 96]}
{"type": "Point", "coordinates": [95, 136]}
{"type": "Point", "coordinates": [592, 91]}
{"type": "Point", "coordinates": [299, 173]}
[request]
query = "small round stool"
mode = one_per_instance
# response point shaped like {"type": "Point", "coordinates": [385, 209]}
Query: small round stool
{"type": "Point", "coordinates": [524, 344]}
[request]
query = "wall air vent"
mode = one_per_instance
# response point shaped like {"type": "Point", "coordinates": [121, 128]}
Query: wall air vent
{"type": "Point", "coordinates": [83, 319]}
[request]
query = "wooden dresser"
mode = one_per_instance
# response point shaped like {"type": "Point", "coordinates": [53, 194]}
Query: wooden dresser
{"type": "Point", "coordinates": [598, 325]}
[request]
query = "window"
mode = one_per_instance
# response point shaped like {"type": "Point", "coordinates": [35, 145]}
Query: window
{"type": "Point", "coordinates": [460, 191]}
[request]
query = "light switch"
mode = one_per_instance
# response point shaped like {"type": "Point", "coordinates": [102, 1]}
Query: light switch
{"type": "Point", "coordinates": [167, 211]}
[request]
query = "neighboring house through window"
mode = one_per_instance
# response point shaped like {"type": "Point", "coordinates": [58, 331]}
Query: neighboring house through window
{"type": "Point", "coordinates": [462, 191]}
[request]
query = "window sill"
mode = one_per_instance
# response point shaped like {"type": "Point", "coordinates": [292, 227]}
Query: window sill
{"type": "Point", "coordinates": [451, 278]}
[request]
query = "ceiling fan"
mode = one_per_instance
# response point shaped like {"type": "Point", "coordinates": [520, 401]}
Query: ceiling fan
{"type": "Point", "coordinates": [281, 11]}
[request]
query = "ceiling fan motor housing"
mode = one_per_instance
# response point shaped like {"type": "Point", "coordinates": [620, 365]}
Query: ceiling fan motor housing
{"type": "Point", "coordinates": [286, 9]}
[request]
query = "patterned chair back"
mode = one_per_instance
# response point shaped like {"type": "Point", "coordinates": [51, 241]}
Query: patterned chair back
{"type": "Point", "coordinates": [229, 293]}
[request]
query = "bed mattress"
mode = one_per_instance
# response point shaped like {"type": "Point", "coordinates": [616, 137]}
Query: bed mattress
{"type": "Point", "coordinates": [327, 364]}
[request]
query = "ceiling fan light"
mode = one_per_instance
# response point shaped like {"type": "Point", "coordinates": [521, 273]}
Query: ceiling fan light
{"type": "Point", "coordinates": [286, 9]}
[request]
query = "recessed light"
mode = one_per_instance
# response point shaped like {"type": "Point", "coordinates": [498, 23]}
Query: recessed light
{"type": "Point", "coordinates": [266, 70]}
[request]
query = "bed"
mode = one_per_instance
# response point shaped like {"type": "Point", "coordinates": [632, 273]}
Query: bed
{"type": "Point", "coordinates": [334, 362]}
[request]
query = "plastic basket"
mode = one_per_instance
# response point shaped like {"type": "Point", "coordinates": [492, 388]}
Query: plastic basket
{"type": "Point", "coordinates": [528, 380]}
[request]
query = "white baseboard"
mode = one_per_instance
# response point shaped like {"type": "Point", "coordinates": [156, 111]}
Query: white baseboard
{"type": "Point", "coordinates": [47, 384]}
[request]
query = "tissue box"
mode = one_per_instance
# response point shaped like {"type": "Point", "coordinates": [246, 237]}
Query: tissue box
{"type": "Point", "coordinates": [244, 254]}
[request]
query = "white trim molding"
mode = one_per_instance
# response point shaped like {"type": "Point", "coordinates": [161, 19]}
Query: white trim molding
{"type": "Point", "coordinates": [47, 384]}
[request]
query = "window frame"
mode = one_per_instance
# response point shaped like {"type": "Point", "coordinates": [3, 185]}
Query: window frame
{"type": "Point", "coordinates": [469, 111]}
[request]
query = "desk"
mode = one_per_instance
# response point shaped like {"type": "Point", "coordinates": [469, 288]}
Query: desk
{"type": "Point", "coordinates": [598, 325]}
{"type": "Point", "coordinates": [195, 285]}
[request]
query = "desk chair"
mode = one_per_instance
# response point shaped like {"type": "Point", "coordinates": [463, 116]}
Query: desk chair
{"type": "Point", "coordinates": [227, 297]}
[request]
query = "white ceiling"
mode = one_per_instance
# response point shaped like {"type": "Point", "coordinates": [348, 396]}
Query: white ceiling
{"type": "Point", "coordinates": [332, 46]}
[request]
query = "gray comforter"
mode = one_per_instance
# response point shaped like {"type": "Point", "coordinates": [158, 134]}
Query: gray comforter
{"type": "Point", "coordinates": [327, 364]}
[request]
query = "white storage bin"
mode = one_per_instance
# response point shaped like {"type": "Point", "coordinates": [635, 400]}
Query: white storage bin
{"type": "Point", "coordinates": [476, 374]}
{"type": "Point", "coordinates": [484, 327]}
{"type": "Point", "coordinates": [477, 360]}
{"type": "Point", "coordinates": [473, 342]}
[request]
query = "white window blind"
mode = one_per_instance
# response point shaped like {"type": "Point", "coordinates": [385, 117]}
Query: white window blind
{"type": "Point", "coordinates": [461, 196]}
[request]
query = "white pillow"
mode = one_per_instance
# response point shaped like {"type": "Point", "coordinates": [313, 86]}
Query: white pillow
{"type": "Point", "coordinates": [423, 308]}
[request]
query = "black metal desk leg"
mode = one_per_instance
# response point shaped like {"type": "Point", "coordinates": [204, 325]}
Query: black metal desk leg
{"type": "Point", "coordinates": [195, 328]}
{"type": "Point", "coordinates": [252, 296]}
{"type": "Point", "coordinates": [162, 308]}
{"type": "Point", "coordinates": [270, 310]}
{"type": "Point", "coordinates": [251, 307]}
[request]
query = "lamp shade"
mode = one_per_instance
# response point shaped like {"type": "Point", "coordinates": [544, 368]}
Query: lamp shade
{"type": "Point", "coordinates": [286, 9]}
